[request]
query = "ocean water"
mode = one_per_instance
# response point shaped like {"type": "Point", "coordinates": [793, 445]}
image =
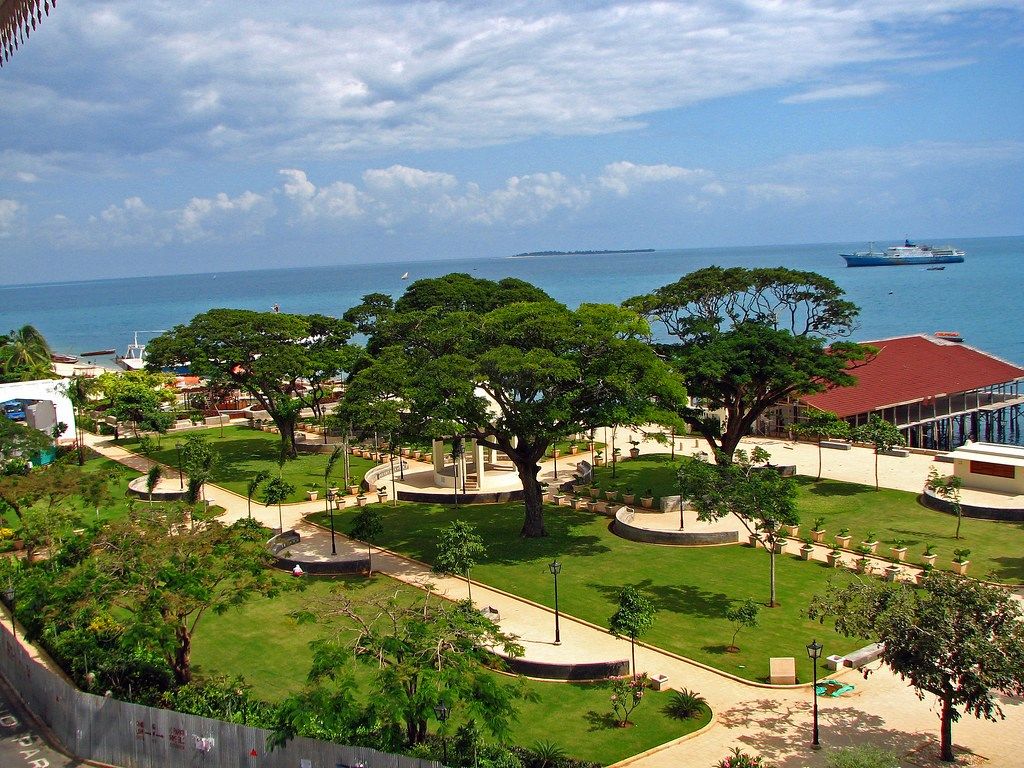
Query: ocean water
{"type": "Point", "coordinates": [981, 298]}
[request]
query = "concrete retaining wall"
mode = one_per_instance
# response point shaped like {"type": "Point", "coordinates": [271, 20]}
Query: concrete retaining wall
{"type": "Point", "coordinates": [624, 526]}
{"type": "Point", "coordinates": [930, 499]}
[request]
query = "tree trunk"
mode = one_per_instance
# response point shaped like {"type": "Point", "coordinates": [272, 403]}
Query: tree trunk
{"type": "Point", "coordinates": [819, 459]}
{"type": "Point", "coordinates": [876, 469]}
{"type": "Point", "coordinates": [287, 429]}
{"type": "Point", "coordinates": [946, 737]}
{"type": "Point", "coordinates": [533, 524]}
{"type": "Point", "coordinates": [182, 665]}
{"type": "Point", "coordinates": [771, 560]}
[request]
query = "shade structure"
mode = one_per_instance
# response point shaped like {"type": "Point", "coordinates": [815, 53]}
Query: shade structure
{"type": "Point", "coordinates": [18, 19]}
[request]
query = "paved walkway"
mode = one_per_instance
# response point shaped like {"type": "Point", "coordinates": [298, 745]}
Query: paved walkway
{"type": "Point", "coordinates": [773, 722]}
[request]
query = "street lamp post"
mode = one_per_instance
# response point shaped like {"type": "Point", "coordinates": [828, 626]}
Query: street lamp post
{"type": "Point", "coordinates": [330, 509]}
{"type": "Point", "coordinates": [441, 712]}
{"type": "Point", "coordinates": [814, 652]}
{"type": "Point", "coordinates": [456, 456]}
{"type": "Point", "coordinates": [556, 567]}
{"type": "Point", "coordinates": [181, 483]}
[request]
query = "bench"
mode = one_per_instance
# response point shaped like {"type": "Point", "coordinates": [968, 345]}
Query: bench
{"type": "Point", "coordinates": [862, 656]}
{"type": "Point", "coordinates": [284, 540]}
{"type": "Point", "coordinates": [782, 670]}
{"type": "Point", "coordinates": [838, 445]}
{"type": "Point", "coordinates": [899, 453]}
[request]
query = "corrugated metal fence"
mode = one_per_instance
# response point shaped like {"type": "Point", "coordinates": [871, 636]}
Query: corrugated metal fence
{"type": "Point", "coordinates": [134, 736]}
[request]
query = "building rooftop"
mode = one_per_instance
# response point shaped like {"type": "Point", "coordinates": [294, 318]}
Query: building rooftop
{"type": "Point", "coordinates": [912, 368]}
{"type": "Point", "coordinates": [996, 453]}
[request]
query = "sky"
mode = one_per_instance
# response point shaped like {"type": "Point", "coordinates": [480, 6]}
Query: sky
{"type": "Point", "coordinates": [144, 137]}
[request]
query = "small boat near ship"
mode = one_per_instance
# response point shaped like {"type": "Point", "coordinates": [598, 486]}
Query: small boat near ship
{"type": "Point", "coordinates": [949, 336]}
{"type": "Point", "coordinates": [134, 358]}
{"type": "Point", "coordinates": [908, 253]}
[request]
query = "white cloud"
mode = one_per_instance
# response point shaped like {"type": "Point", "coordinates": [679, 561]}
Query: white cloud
{"type": "Point", "coordinates": [623, 176]}
{"type": "Point", "coordinates": [224, 217]}
{"type": "Point", "coordinates": [339, 200]}
{"type": "Point", "coordinates": [326, 79]}
{"type": "Point", "coordinates": [10, 210]}
{"type": "Point", "coordinates": [833, 92]}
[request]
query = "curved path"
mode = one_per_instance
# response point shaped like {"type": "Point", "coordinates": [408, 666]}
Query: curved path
{"type": "Point", "coordinates": [771, 721]}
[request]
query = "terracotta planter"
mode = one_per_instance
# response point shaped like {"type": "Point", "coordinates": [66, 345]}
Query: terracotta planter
{"type": "Point", "coordinates": [556, 453]}
{"type": "Point", "coordinates": [312, 495]}
{"type": "Point", "coordinates": [871, 545]}
{"type": "Point", "coordinates": [339, 502]}
{"type": "Point", "coordinates": [595, 492]}
{"type": "Point", "coordinates": [647, 502]}
{"type": "Point", "coordinates": [557, 499]}
{"type": "Point", "coordinates": [406, 452]}
{"type": "Point", "coordinates": [920, 576]}
{"type": "Point", "coordinates": [752, 540]}
{"type": "Point", "coordinates": [634, 452]}
{"type": "Point", "coordinates": [353, 490]}
{"type": "Point", "coordinates": [892, 572]}
{"type": "Point", "coordinates": [805, 552]}
{"type": "Point", "coordinates": [834, 560]}
{"type": "Point", "coordinates": [862, 564]}
{"type": "Point", "coordinates": [779, 547]}
{"type": "Point", "coordinates": [929, 559]}
{"type": "Point", "coordinates": [381, 498]}
{"type": "Point", "coordinates": [592, 505]}
{"type": "Point", "coordinates": [361, 500]}
{"type": "Point", "coordinates": [818, 536]}
{"type": "Point", "coordinates": [899, 553]}
{"type": "Point", "coordinates": [578, 502]}
{"type": "Point", "coordinates": [961, 568]}
{"type": "Point", "coordinates": [843, 541]}
{"type": "Point", "coordinates": [794, 531]}
{"type": "Point", "coordinates": [611, 495]}
{"type": "Point", "coordinates": [574, 449]}
{"type": "Point", "coordinates": [628, 498]}
{"type": "Point", "coordinates": [417, 454]}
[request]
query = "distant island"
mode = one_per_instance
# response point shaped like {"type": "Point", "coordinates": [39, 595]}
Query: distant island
{"type": "Point", "coordinates": [579, 253]}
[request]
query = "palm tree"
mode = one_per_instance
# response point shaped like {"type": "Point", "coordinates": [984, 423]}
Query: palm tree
{"type": "Point", "coordinates": [79, 391]}
{"type": "Point", "coordinates": [25, 355]}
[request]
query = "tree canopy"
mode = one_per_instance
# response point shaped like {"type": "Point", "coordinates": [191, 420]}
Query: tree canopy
{"type": "Point", "coordinates": [25, 356]}
{"type": "Point", "coordinates": [277, 358]}
{"type": "Point", "coordinates": [519, 376]}
{"type": "Point", "coordinates": [955, 638]}
{"type": "Point", "coordinates": [750, 338]}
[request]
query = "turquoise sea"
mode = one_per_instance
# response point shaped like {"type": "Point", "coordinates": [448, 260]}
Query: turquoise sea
{"type": "Point", "coordinates": [981, 298]}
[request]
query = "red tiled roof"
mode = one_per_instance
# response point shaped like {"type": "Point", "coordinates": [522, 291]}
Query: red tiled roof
{"type": "Point", "coordinates": [913, 368]}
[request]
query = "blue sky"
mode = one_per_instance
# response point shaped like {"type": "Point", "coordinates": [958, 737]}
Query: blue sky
{"type": "Point", "coordinates": [138, 139]}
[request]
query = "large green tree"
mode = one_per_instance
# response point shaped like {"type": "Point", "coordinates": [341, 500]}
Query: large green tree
{"type": "Point", "coordinates": [634, 616]}
{"type": "Point", "coordinates": [139, 398]}
{"type": "Point", "coordinates": [518, 376]}
{"type": "Point", "coordinates": [955, 638]}
{"type": "Point", "coordinates": [162, 577]}
{"type": "Point", "coordinates": [748, 339]}
{"type": "Point", "coordinates": [421, 654]}
{"type": "Point", "coordinates": [822, 425]}
{"type": "Point", "coordinates": [277, 358]}
{"type": "Point", "coordinates": [758, 496]}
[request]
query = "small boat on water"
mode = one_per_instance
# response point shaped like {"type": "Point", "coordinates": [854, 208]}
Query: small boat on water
{"type": "Point", "coordinates": [934, 269]}
{"type": "Point", "coordinates": [949, 336]}
{"type": "Point", "coordinates": [99, 353]}
{"type": "Point", "coordinates": [134, 358]}
{"type": "Point", "coordinates": [59, 358]}
{"type": "Point", "coordinates": [908, 253]}
{"type": "Point", "coordinates": [405, 276]}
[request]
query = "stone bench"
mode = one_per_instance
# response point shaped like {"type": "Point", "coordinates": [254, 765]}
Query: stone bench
{"type": "Point", "coordinates": [284, 540]}
{"type": "Point", "coordinates": [862, 656]}
{"type": "Point", "coordinates": [899, 453]}
{"type": "Point", "coordinates": [838, 445]}
{"type": "Point", "coordinates": [782, 670]}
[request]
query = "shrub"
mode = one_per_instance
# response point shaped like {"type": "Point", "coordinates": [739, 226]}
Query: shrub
{"type": "Point", "coordinates": [739, 759]}
{"type": "Point", "coordinates": [865, 756]}
{"type": "Point", "coordinates": [818, 523]}
{"type": "Point", "coordinates": [870, 537]}
{"type": "Point", "coordinates": [961, 555]}
{"type": "Point", "coordinates": [929, 549]}
{"type": "Point", "coordinates": [685, 705]}
{"type": "Point", "coordinates": [627, 693]}
{"type": "Point", "coordinates": [844, 531]}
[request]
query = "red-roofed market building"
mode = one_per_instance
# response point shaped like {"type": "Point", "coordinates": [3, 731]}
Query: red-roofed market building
{"type": "Point", "coordinates": [939, 392]}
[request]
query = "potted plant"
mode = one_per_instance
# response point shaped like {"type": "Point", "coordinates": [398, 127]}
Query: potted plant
{"type": "Point", "coordinates": [361, 499]}
{"type": "Point", "coordinates": [929, 555]}
{"type": "Point", "coordinates": [578, 502]}
{"type": "Point", "coordinates": [635, 450]}
{"type": "Point", "coordinates": [806, 549]}
{"type": "Point", "coordinates": [835, 557]}
{"type": "Point", "coordinates": [647, 500]}
{"type": "Point", "coordinates": [581, 489]}
{"type": "Point", "coordinates": [794, 530]}
{"type": "Point", "coordinates": [960, 561]}
{"type": "Point", "coordinates": [870, 541]}
{"type": "Point", "coordinates": [611, 494]}
{"type": "Point", "coordinates": [599, 459]}
{"type": "Point", "coordinates": [892, 572]}
{"type": "Point", "coordinates": [339, 501]}
{"type": "Point", "coordinates": [417, 454]}
{"type": "Point", "coordinates": [628, 496]}
{"type": "Point", "coordinates": [923, 573]}
{"type": "Point", "coordinates": [899, 550]}
{"type": "Point", "coordinates": [818, 530]}
{"type": "Point", "coordinates": [843, 538]}
{"type": "Point", "coordinates": [312, 495]}
{"type": "Point", "coordinates": [863, 561]}
{"type": "Point", "coordinates": [595, 490]}
{"type": "Point", "coordinates": [382, 493]}
{"type": "Point", "coordinates": [573, 449]}
{"type": "Point", "coordinates": [406, 453]}
{"type": "Point", "coordinates": [555, 453]}
{"type": "Point", "coordinates": [353, 490]}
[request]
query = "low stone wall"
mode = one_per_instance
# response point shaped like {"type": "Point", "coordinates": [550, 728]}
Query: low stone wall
{"type": "Point", "coordinates": [930, 499]}
{"type": "Point", "coordinates": [324, 567]}
{"type": "Point", "coordinates": [464, 498]}
{"type": "Point", "coordinates": [623, 525]}
{"type": "Point", "coordinates": [137, 488]}
{"type": "Point", "coordinates": [544, 670]}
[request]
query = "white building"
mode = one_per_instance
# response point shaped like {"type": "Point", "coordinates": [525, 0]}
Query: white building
{"type": "Point", "coordinates": [46, 404]}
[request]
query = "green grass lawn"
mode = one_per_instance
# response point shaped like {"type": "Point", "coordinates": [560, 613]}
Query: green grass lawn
{"type": "Point", "coordinates": [259, 641]}
{"type": "Point", "coordinates": [692, 587]}
{"type": "Point", "coordinates": [242, 452]}
{"type": "Point", "coordinates": [997, 547]}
